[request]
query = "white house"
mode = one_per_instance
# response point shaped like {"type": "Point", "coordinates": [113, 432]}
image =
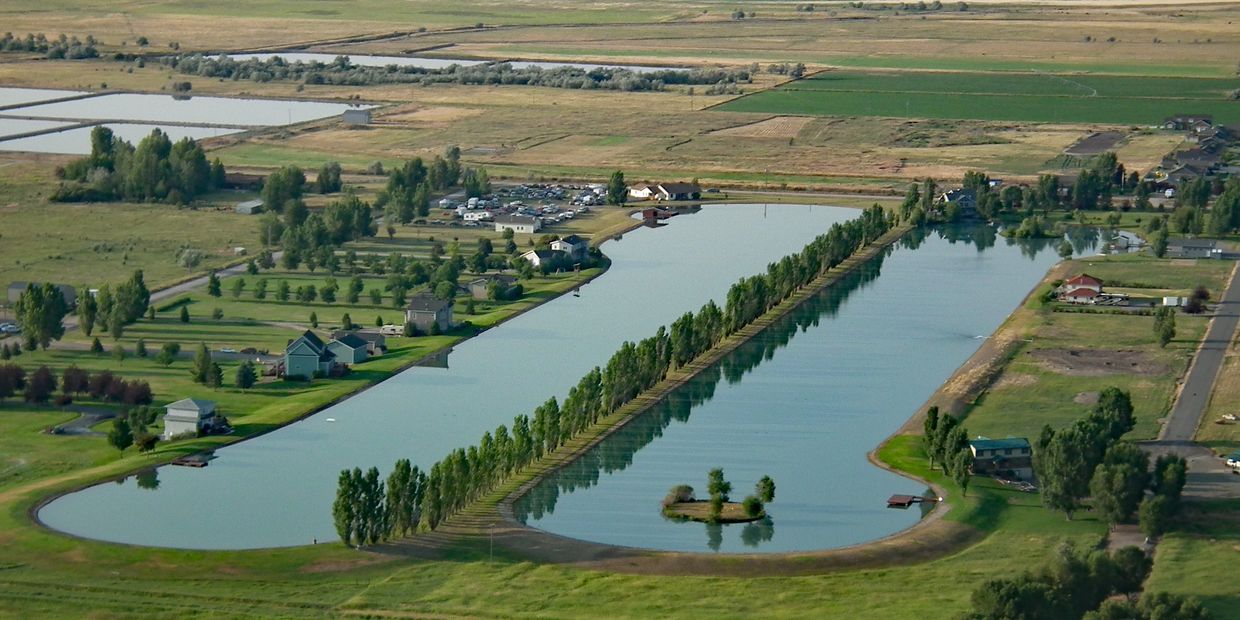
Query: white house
{"type": "Point", "coordinates": [188, 415]}
{"type": "Point", "coordinates": [571, 245]}
{"type": "Point", "coordinates": [538, 257]}
{"type": "Point", "coordinates": [518, 223]}
{"type": "Point", "coordinates": [1080, 296]}
{"type": "Point", "coordinates": [641, 191]}
{"type": "Point", "coordinates": [678, 191]}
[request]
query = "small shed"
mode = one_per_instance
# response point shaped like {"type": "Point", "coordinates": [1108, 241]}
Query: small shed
{"type": "Point", "coordinates": [356, 117]}
{"type": "Point", "coordinates": [188, 415]}
{"type": "Point", "coordinates": [250, 207]}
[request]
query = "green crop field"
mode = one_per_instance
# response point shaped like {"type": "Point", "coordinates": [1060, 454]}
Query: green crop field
{"type": "Point", "coordinates": [1032, 97]}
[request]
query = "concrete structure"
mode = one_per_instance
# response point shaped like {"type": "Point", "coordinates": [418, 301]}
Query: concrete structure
{"type": "Point", "coordinates": [356, 117]}
{"type": "Point", "coordinates": [189, 415]}
{"type": "Point", "coordinates": [1011, 457]}
{"type": "Point", "coordinates": [426, 311]}
{"type": "Point", "coordinates": [575, 247]}
{"type": "Point", "coordinates": [306, 356]}
{"type": "Point", "coordinates": [17, 288]}
{"type": "Point", "coordinates": [349, 349]}
{"type": "Point", "coordinates": [376, 343]}
{"type": "Point", "coordinates": [518, 223]}
{"type": "Point", "coordinates": [1180, 247]}
{"type": "Point", "coordinates": [481, 287]}
{"type": "Point", "coordinates": [250, 207]}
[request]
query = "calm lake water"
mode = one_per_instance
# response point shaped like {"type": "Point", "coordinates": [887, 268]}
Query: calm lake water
{"type": "Point", "coordinates": [804, 402]}
{"type": "Point", "coordinates": [195, 110]}
{"type": "Point", "coordinates": [11, 95]}
{"type": "Point", "coordinates": [430, 63]}
{"type": "Point", "coordinates": [77, 141]}
{"type": "Point", "coordinates": [277, 490]}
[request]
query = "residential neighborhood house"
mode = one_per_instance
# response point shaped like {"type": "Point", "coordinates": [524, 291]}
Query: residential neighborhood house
{"type": "Point", "coordinates": [642, 191]}
{"type": "Point", "coordinates": [426, 311]}
{"type": "Point", "coordinates": [1010, 458]}
{"type": "Point", "coordinates": [349, 349]}
{"type": "Point", "coordinates": [518, 223]}
{"type": "Point", "coordinates": [1180, 247]}
{"type": "Point", "coordinates": [189, 416]}
{"type": "Point", "coordinates": [538, 258]}
{"type": "Point", "coordinates": [572, 245]}
{"type": "Point", "coordinates": [678, 191]}
{"type": "Point", "coordinates": [481, 287]}
{"type": "Point", "coordinates": [376, 343]}
{"type": "Point", "coordinates": [307, 355]}
{"type": "Point", "coordinates": [1081, 289]}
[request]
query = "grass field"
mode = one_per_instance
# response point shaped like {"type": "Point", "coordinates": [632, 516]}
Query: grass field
{"type": "Point", "coordinates": [1030, 97]}
{"type": "Point", "coordinates": [1029, 392]}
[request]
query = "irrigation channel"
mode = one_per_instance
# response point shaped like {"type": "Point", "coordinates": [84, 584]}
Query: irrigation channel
{"type": "Point", "coordinates": [276, 490]}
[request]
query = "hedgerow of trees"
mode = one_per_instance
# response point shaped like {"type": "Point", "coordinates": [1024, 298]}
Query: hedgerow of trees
{"type": "Point", "coordinates": [467, 474]}
{"type": "Point", "coordinates": [158, 170]}
{"type": "Point", "coordinates": [62, 46]}
{"type": "Point", "coordinates": [1082, 584]}
{"type": "Point", "coordinates": [342, 71]}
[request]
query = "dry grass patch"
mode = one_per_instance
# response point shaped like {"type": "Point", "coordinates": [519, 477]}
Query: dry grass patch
{"type": "Point", "coordinates": [776, 127]}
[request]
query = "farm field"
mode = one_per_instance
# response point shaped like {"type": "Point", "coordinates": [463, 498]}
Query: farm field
{"type": "Point", "coordinates": [1042, 98]}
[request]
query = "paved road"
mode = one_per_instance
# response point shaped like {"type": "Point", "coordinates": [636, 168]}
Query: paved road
{"type": "Point", "coordinates": [1189, 407]}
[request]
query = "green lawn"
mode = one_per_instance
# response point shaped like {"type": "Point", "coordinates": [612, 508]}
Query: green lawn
{"type": "Point", "coordinates": [1200, 559]}
{"type": "Point", "coordinates": [1033, 97]}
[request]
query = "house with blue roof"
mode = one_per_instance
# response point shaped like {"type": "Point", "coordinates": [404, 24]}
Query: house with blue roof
{"type": "Point", "coordinates": [1002, 458]}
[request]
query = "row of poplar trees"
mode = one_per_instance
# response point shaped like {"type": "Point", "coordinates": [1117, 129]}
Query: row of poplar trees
{"type": "Point", "coordinates": [366, 512]}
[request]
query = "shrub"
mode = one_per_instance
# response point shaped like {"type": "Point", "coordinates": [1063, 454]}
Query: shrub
{"type": "Point", "coordinates": [752, 505]}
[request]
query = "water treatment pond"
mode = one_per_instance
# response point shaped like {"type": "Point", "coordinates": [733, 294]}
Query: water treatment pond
{"type": "Point", "coordinates": [432, 63]}
{"type": "Point", "coordinates": [803, 402]}
{"type": "Point", "coordinates": [77, 141]}
{"type": "Point", "coordinates": [193, 110]}
{"type": "Point", "coordinates": [277, 489]}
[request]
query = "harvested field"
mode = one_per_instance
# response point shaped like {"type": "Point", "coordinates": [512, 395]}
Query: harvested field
{"type": "Point", "coordinates": [435, 115]}
{"type": "Point", "coordinates": [774, 127]}
{"type": "Point", "coordinates": [1014, 379]}
{"type": "Point", "coordinates": [1095, 143]}
{"type": "Point", "coordinates": [1098, 362]}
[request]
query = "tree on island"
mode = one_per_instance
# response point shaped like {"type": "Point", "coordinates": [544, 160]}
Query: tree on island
{"type": "Point", "coordinates": [718, 489]}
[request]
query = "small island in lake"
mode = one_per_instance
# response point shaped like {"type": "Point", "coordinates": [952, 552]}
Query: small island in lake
{"type": "Point", "coordinates": [680, 502]}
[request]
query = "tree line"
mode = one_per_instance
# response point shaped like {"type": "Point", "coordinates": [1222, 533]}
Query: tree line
{"type": "Point", "coordinates": [158, 170]}
{"type": "Point", "coordinates": [466, 474]}
{"type": "Point", "coordinates": [62, 46]}
{"type": "Point", "coordinates": [111, 309]}
{"type": "Point", "coordinates": [1082, 584]}
{"type": "Point", "coordinates": [946, 442]}
{"type": "Point", "coordinates": [344, 72]}
{"type": "Point", "coordinates": [41, 384]}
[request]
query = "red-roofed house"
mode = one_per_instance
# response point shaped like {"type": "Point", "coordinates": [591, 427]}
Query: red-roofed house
{"type": "Point", "coordinates": [1079, 296]}
{"type": "Point", "coordinates": [1083, 281]}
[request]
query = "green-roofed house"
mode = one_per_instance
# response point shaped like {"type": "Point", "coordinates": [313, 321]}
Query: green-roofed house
{"type": "Point", "coordinates": [1008, 458]}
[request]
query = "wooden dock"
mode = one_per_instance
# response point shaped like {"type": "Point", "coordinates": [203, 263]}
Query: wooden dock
{"type": "Point", "coordinates": [904, 501]}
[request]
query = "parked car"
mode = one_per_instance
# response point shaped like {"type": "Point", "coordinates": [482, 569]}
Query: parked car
{"type": "Point", "coordinates": [227, 350]}
{"type": "Point", "coordinates": [10, 328]}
